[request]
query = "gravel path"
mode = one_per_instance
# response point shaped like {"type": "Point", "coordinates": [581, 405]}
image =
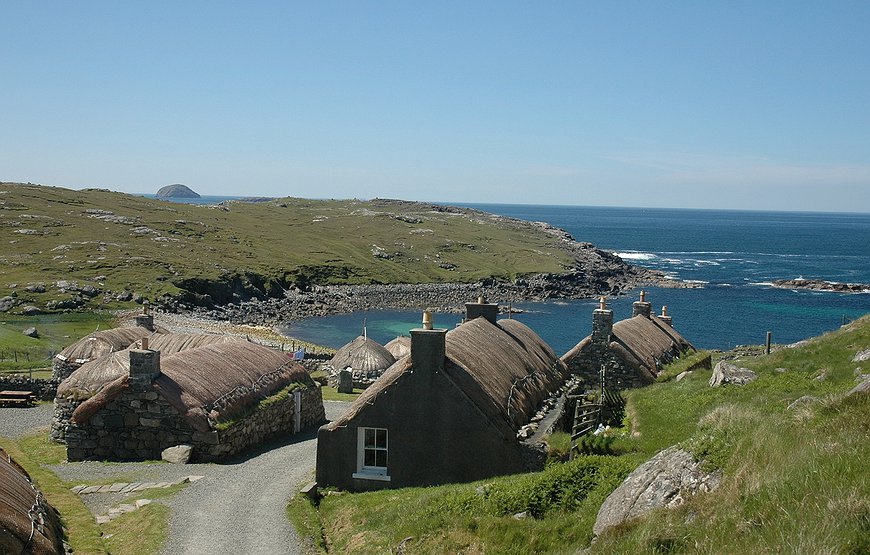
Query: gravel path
{"type": "Point", "coordinates": [240, 507]}
{"type": "Point", "coordinates": [18, 422]}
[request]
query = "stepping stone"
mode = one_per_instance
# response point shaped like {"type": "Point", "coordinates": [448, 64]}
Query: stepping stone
{"type": "Point", "coordinates": [105, 519]}
{"type": "Point", "coordinates": [105, 489]}
{"type": "Point", "coordinates": [126, 508]}
{"type": "Point", "coordinates": [146, 485]}
{"type": "Point", "coordinates": [130, 487]}
{"type": "Point", "coordinates": [78, 489]}
{"type": "Point", "coordinates": [142, 502]}
{"type": "Point", "coordinates": [192, 479]}
{"type": "Point", "coordinates": [115, 488]}
{"type": "Point", "coordinates": [90, 489]}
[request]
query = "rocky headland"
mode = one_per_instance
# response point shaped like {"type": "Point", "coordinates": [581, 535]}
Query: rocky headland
{"type": "Point", "coordinates": [177, 190]}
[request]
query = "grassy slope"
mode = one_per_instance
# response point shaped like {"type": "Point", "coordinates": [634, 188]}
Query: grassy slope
{"type": "Point", "coordinates": [20, 353]}
{"type": "Point", "coordinates": [329, 241]}
{"type": "Point", "coordinates": [795, 481]}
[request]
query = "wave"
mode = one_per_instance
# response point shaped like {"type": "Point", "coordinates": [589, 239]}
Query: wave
{"type": "Point", "coordinates": [636, 255]}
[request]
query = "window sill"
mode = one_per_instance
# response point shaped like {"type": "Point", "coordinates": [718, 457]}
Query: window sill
{"type": "Point", "coordinates": [367, 476]}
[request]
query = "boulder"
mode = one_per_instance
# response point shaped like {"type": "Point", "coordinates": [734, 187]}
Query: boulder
{"type": "Point", "coordinates": [30, 310]}
{"type": "Point", "coordinates": [6, 303]}
{"type": "Point", "coordinates": [862, 356]}
{"type": "Point", "coordinates": [31, 332]}
{"type": "Point", "coordinates": [727, 373]}
{"type": "Point", "coordinates": [179, 454]}
{"type": "Point", "coordinates": [666, 480]}
{"type": "Point", "coordinates": [861, 388]}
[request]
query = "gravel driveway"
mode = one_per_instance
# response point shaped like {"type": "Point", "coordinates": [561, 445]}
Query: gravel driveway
{"type": "Point", "coordinates": [18, 422]}
{"type": "Point", "coordinates": [240, 506]}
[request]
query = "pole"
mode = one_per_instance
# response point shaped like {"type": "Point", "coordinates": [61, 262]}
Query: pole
{"type": "Point", "coordinates": [767, 344]}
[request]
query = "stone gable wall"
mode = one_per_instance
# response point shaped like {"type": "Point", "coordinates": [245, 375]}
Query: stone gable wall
{"type": "Point", "coordinates": [619, 376]}
{"type": "Point", "coordinates": [139, 425]}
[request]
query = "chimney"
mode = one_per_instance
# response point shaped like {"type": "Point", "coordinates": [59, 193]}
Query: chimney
{"type": "Point", "coordinates": [145, 320]}
{"type": "Point", "coordinates": [641, 307]}
{"type": "Point", "coordinates": [602, 323]}
{"type": "Point", "coordinates": [428, 347]}
{"type": "Point", "coordinates": [481, 308]}
{"type": "Point", "coordinates": [144, 365]}
{"type": "Point", "coordinates": [665, 318]}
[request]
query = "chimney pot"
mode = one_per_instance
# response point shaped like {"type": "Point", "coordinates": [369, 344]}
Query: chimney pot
{"type": "Point", "coordinates": [144, 343]}
{"type": "Point", "coordinates": [427, 320]}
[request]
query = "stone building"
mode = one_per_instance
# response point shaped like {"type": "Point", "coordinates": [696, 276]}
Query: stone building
{"type": "Point", "coordinates": [364, 358]}
{"type": "Point", "coordinates": [631, 351]}
{"type": "Point", "coordinates": [92, 376]}
{"type": "Point", "coordinates": [449, 412]}
{"type": "Point", "coordinates": [220, 399]}
{"type": "Point", "coordinates": [28, 524]}
{"type": "Point", "coordinates": [101, 343]}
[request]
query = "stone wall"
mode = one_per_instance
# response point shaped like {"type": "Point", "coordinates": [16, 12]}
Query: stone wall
{"type": "Point", "coordinates": [619, 375]}
{"type": "Point", "coordinates": [61, 369]}
{"type": "Point", "coordinates": [44, 390]}
{"type": "Point", "coordinates": [140, 424]}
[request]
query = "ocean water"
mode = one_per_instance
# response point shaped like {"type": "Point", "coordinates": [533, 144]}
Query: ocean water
{"type": "Point", "coordinates": [733, 254]}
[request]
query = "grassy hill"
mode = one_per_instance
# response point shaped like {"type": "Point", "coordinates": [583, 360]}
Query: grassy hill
{"type": "Point", "coordinates": [117, 242]}
{"type": "Point", "coordinates": [795, 480]}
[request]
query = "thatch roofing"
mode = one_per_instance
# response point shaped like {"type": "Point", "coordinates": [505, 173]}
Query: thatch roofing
{"type": "Point", "coordinates": [92, 376]}
{"type": "Point", "coordinates": [213, 382]}
{"type": "Point", "coordinates": [643, 343]}
{"type": "Point", "coordinates": [399, 347]}
{"type": "Point", "coordinates": [366, 357]}
{"type": "Point", "coordinates": [101, 343]}
{"type": "Point", "coordinates": [505, 369]}
{"type": "Point", "coordinates": [28, 524]}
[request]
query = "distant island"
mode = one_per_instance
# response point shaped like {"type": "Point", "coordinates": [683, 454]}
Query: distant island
{"type": "Point", "coordinates": [821, 285]}
{"type": "Point", "coordinates": [177, 190]}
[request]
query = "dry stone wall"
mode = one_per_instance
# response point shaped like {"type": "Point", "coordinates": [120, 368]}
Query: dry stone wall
{"type": "Point", "coordinates": [44, 390]}
{"type": "Point", "coordinates": [139, 425]}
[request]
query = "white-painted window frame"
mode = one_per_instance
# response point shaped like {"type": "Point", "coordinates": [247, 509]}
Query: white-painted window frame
{"type": "Point", "coordinates": [363, 471]}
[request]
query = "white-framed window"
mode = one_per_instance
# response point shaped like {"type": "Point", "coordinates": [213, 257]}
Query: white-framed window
{"type": "Point", "coordinates": [372, 454]}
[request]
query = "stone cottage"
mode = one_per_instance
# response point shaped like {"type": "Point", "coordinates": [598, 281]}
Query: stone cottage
{"type": "Point", "coordinates": [364, 358]}
{"type": "Point", "coordinates": [449, 412]}
{"type": "Point", "coordinates": [632, 351]}
{"type": "Point", "coordinates": [28, 524]}
{"type": "Point", "coordinates": [100, 343]}
{"type": "Point", "coordinates": [220, 399]}
{"type": "Point", "coordinates": [92, 376]}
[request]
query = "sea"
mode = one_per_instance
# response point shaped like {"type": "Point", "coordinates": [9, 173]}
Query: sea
{"type": "Point", "coordinates": [732, 256]}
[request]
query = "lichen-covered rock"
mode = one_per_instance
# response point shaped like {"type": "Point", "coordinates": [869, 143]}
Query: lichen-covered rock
{"type": "Point", "coordinates": [666, 480]}
{"type": "Point", "coordinates": [31, 332]}
{"type": "Point", "coordinates": [727, 373]}
{"type": "Point", "coordinates": [862, 356]}
{"type": "Point", "coordinates": [861, 388]}
{"type": "Point", "coordinates": [803, 401]}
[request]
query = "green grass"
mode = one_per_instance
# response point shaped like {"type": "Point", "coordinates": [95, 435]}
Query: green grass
{"type": "Point", "coordinates": [794, 481]}
{"type": "Point", "coordinates": [264, 246]}
{"type": "Point", "coordinates": [469, 517]}
{"type": "Point", "coordinates": [140, 532]}
{"type": "Point", "coordinates": [19, 353]}
{"type": "Point", "coordinates": [331, 394]}
{"type": "Point", "coordinates": [686, 361]}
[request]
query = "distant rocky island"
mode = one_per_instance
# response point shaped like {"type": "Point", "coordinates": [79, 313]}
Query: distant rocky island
{"type": "Point", "coordinates": [177, 190]}
{"type": "Point", "coordinates": [822, 285]}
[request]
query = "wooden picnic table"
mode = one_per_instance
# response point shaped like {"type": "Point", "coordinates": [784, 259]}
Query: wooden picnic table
{"type": "Point", "coordinates": [12, 397]}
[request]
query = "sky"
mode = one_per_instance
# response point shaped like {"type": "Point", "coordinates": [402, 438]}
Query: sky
{"type": "Point", "coordinates": [738, 105]}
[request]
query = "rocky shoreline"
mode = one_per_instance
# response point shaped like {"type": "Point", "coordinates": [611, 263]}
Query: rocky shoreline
{"type": "Point", "coordinates": [821, 285]}
{"type": "Point", "coordinates": [440, 297]}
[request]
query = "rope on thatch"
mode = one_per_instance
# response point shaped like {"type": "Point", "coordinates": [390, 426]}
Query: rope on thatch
{"type": "Point", "coordinates": [222, 403]}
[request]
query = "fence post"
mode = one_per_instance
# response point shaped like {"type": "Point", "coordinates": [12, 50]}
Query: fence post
{"type": "Point", "coordinates": [767, 344]}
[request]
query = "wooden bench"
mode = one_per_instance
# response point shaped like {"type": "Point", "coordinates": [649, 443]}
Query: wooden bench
{"type": "Point", "coordinates": [17, 398]}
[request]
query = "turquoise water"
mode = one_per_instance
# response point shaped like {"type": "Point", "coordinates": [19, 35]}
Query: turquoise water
{"type": "Point", "coordinates": [734, 254]}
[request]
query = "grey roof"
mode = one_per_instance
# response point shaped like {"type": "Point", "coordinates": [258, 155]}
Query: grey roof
{"type": "Point", "coordinates": [366, 357]}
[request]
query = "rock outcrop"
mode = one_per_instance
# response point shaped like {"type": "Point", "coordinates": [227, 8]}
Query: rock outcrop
{"type": "Point", "coordinates": [822, 285]}
{"type": "Point", "coordinates": [727, 373]}
{"type": "Point", "coordinates": [666, 480]}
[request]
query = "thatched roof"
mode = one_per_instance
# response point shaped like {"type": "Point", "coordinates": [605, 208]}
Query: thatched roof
{"type": "Point", "coordinates": [643, 343]}
{"type": "Point", "coordinates": [213, 382]}
{"type": "Point", "coordinates": [101, 343]}
{"type": "Point", "coordinates": [92, 376]}
{"type": "Point", "coordinates": [366, 357]}
{"type": "Point", "coordinates": [505, 369]}
{"type": "Point", "coordinates": [25, 516]}
{"type": "Point", "coordinates": [399, 347]}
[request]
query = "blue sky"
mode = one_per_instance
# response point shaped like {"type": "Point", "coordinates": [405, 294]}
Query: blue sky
{"type": "Point", "coordinates": [682, 104]}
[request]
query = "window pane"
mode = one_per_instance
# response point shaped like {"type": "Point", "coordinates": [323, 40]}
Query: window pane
{"type": "Point", "coordinates": [370, 437]}
{"type": "Point", "coordinates": [381, 458]}
{"type": "Point", "coordinates": [370, 458]}
{"type": "Point", "coordinates": [382, 439]}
